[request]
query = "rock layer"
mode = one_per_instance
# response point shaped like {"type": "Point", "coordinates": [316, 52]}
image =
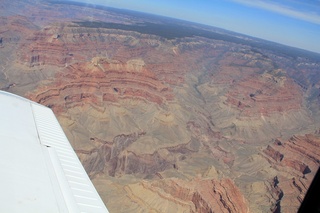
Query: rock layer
{"type": "Point", "coordinates": [297, 161]}
{"type": "Point", "coordinates": [103, 81]}
{"type": "Point", "coordinates": [264, 95]}
{"type": "Point", "coordinates": [189, 196]}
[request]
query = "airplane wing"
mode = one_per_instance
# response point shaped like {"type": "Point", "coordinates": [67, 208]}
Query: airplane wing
{"type": "Point", "coordinates": [39, 170]}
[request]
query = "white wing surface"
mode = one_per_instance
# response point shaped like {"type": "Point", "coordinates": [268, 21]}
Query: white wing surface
{"type": "Point", "coordinates": [39, 170]}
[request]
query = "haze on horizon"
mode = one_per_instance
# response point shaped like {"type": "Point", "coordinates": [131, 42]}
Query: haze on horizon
{"type": "Point", "coordinates": [290, 22]}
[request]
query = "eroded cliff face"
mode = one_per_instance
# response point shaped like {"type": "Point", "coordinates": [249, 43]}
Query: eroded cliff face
{"type": "Point", "coordinates": [197, 195]}
{"type": "Point", "coordinates": [296, 161]}
{"type": "Point", "coordinates": [103, 81]}
{"type": "Point", "coordinates": [243, 89]}
{"type": "Point", "coordinates": [186, 124]}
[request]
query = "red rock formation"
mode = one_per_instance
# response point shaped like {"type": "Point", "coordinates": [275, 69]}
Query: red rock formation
{"type": "Point", "coordinates": [297, 161]}
{"type": "Point", "coordinates": [264, 95]}
{"type": "Point", "coordinates": [196, 92]}
{"type": "Point", "coordinates": [193, 196]}
{"type": "Point", "coordinates": [103, 81]}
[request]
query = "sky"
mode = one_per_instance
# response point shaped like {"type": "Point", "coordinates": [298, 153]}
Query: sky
{"type": "Point", "coordinates": [292, 22]}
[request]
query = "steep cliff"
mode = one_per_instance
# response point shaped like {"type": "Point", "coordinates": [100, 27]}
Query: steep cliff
{"type": "Point", "coordinates": [296, 161]}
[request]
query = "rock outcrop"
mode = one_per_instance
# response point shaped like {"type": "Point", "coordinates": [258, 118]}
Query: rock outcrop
{"type": "Point", "coordinates": [297, 161]}
{"type": "Point", "coordinates": [102, 81]}
{"type": "Point", "coordinates": [174, 195]}
{"type": "Point", "coordinates": [264, 95]}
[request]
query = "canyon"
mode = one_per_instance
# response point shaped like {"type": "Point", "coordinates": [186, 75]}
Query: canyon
{"type": "Point", "coordinates": [165, 121]}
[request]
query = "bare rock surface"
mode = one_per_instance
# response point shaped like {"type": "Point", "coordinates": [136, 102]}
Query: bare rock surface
{"type": "Point", "coordinates": [169, 120]}
{"type": "Point", "coordinates": [296, 161]}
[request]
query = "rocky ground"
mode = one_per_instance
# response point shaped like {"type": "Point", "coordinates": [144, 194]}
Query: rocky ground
{"type": "Point", "coordinates": [168, 124]}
